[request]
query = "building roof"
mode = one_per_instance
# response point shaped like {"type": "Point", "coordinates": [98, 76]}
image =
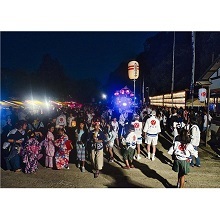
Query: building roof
{"type": "Point", "coordinates": [211, 70]}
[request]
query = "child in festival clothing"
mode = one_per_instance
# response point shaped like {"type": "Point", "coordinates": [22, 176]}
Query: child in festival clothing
{"type": "Point", "coordinates": [110, 139]}
{"type": "Point", "coordinates": [81, 139]}
{"type": "Point", "coordinates": [138, 131]}
{"type": "Point", "coordinates": [97, 139]}
{"type": "Point", "coordinates": [30, 153]}
{"type": "Point", "coordinates": [64, 148]}
{"type": "Point", "coordinates": [182, 150]}
{"type": "Point", "coordinates": [131, 141]}
{"type": "Point", "coordinates": [49, 147]}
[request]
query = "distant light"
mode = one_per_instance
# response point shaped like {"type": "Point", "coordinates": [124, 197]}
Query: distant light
{"type": "Point", "coordinates": [104, 96]}
{"type": "Point", "coordinates": [116, 93]}
{"type": "Point", "coordinates": [124, 104]}
{"type": "Point", "coordinates": [47, 103]}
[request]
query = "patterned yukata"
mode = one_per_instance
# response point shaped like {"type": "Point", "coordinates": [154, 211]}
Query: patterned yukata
{"type": "Point", "coordinates": [49, 149]}
{"type": "Point", "coordinates": [62, 155]}
{"type": "Point", "coordinates": [30, 154]}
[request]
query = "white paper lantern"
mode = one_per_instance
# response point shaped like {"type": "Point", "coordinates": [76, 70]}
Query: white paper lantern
{"type": "Point", "coordinates": [202, 94]}
{"type": "Point", "coordinates": [133, 70]}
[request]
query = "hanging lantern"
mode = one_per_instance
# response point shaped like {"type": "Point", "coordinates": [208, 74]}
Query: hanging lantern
{"type": "Point", "coordinates": [122, 91]}
{"type": "Point", "coordinates": [202, 94]}
{"type": "Point", "coordinates": [133, 70]}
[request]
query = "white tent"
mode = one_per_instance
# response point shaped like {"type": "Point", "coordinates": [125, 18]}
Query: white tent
{"type": "Point", "coordinates": [196, 103]}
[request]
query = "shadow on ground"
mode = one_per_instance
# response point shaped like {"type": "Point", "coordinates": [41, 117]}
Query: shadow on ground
{"type": "Point", "coordinates": [165, 141]}
{"type": "Point", "coordinates": [204, 148]}
{"type": "Point", "coordinates": [162, 158]}
{"type": "Point", "coordinates": [120, 179]}
{"type": "Point", "coordinates": [123, 181]}
{"type": "Point", "coordinates": [215, 145]}
{"type": "Point", "coordinates": [152, 174]}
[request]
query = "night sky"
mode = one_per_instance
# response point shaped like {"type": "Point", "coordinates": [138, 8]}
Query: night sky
{"type": "Point", "coordinates": [82, 54]}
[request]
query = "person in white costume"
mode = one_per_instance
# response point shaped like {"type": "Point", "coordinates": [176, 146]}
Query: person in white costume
{"type": "Point", "coordinates": [194, 133]}
{"type": "Point", "coordinates": [61, 121]}
{"type": "Point", "coordinates": [207, 121]}
{"type": "Point", "coordinates": [115, 126]}
{"type": "Point", "coordinates": [151, 130]}
{"type": "Point", "coordinates": [182, 150]}
{"type": "Point", "coordinates": [131, 141]}
{"type": "Point", "coordinates": [70, 119]}
{"type": "Point", "coordinates": [138, 131]}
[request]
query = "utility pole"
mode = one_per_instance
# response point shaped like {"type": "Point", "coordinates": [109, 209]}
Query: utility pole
{"type": "Point", "coordinates": [148, 99]}
{"type": "Point", "coordinates": [193, 66]}
{"type": "Point", "coordinates": [172, 81]}
{"type": "Point", "coordinates": [143, 91]}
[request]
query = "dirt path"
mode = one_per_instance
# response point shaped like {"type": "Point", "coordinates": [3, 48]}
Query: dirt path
{"type": "Point", "coordinates": [146, 174]}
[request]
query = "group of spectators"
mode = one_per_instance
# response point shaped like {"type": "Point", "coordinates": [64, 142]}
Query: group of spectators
{"type": "Point", "coordinates": [94, 131]}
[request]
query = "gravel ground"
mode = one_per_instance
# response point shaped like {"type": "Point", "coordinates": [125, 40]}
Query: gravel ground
{"type": "Point", "coordinates": [146, 174]}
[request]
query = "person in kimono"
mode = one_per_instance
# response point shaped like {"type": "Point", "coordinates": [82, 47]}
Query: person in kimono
{"type": "Point", "coordinates": [30, 153]}
{"type": "Point", "coordinates": [63, 145]}
{"type": "Point", "coordinates": [37, 126]}
{"type": "Point", "coordinates": [49, 147]}
{"type": "Point", "coordinates": [15, 140]}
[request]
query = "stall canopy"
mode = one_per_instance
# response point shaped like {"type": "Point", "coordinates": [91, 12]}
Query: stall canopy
{"type": "Point", "coordinates": [196, 103]}
{"type": "Point", "coordinates": [14, 104]}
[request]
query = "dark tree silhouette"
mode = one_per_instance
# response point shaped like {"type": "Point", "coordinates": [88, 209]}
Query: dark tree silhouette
{"type": "Point", "coordinates": [156, 61]}
{"type": "Point", "coordinates": [51, 77]}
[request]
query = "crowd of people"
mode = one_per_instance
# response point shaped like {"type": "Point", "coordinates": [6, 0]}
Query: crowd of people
{"type": "Point", "coordinates": [94, 131]}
